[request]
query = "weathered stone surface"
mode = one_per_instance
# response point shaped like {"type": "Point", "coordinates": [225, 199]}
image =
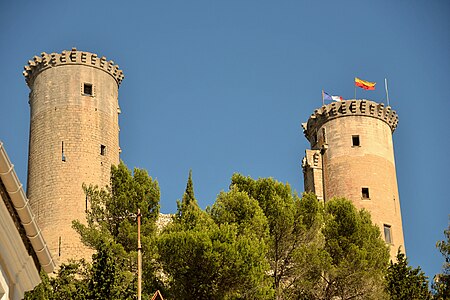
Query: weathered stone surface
{"type": "Point", "coordinates": [74, 139]}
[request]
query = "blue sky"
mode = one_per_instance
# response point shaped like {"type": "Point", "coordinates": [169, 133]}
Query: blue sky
{"type": "Point", "coordinates": [223, 86]}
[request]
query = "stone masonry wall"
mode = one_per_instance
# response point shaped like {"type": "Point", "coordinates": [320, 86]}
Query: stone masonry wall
{"type": "Point", "coordinates": [74, 139]}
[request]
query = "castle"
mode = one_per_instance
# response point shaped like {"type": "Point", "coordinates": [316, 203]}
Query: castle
{"type": "Point", "coordinates": [74, 139]}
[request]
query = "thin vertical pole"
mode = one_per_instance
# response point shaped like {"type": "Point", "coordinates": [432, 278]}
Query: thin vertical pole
{"type": "Point", "coordinates": [323, 101]}
{"type": "Point", "coordinates": [387, 93]}
{"type": "Point", "coordinates": [139, 255]}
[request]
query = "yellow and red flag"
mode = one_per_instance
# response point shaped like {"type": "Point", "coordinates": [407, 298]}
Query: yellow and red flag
{"type": "Point", "coordinates": [365, 84]}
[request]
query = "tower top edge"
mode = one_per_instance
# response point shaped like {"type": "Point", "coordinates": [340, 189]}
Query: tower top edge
{"type": "Point", "coordinates": [347, 108]}
{"type": "Point", "coordinates": [70, 57]}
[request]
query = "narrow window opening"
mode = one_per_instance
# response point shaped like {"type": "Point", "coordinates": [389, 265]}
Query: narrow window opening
{"type": "Point", "coordinates": [365, 193]}
{"type": "Point", "coordinates": [324, 135]}
{"type": "Point", "coordinates": [86, 205]}
{"type": "Point", "coordinates": [102, 150]}
{"type": "Point", "coordinates": [395, 205]}
{"type": "Point", "coordinates": [87, 89]}
{"type": "Point", "coordinates": [59, 247]}
{"type": "Point", "coordinates": [387, 233]}
{"type": "Point", "coordinates": [63, 157]}
{"type": "Point", "coordinates": [355, 141]}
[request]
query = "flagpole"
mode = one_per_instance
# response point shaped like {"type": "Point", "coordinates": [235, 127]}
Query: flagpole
{"type": "Point", "coordinates": [323, 101]}
{"type": "Point", "coordinates": [387, 93]}
{"type": "Point", "coordinates": [139, 249]}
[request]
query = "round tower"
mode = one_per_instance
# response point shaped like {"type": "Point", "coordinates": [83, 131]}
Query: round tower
{"type": "Point", "coordinates": [352, 156]}
{"type": "Point", "coordinates": [74, 139]}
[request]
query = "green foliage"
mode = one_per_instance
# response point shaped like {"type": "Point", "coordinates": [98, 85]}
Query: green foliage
{"type": "Point", "coordinates": [111, 221]}
{"type": "Point", "coordinates": [315, 251]}
{"type": "Point", "coordinates": [188, 212]}
{"type": "Point", "coordinates": [404, 282]}
{"type": "Point", "coordinates": [106, 278]}
{"type": "Point", "coordinates": [259, 240]}
{"type": "Point", "coordinates": [294, 228]}
{"type": "Point", "coordinates": [112, 214]}
{"type": "Point", "coordinates": [356, 256]}
{"type": "Point", "coordinates": [69, 283]}
{"type": "Point", "coordinates": [214, 257]}
{"type": "Point", "coordinates": [441, 285]}
{"type": "Point", "coordinates": [109, 279]}
{"type": "Point", "coordinates": [235, 207]}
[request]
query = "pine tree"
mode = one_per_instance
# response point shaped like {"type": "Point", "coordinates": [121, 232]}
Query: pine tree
{"type": "Point", "coordinates": [405, 282]}
{"type": "Point", "coordinates": [111, 221]}
{"type": "Point", "coordinates": [441, 285]}
{"type": "Point", "coordinates": [294, 227]}
{"type": "Point", "coordinates": [206, 258]}
{"type": "Point", "coordinates": [107, 280]}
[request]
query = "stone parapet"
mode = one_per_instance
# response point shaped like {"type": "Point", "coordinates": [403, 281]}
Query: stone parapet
{"type": "Point", "coordinates": [72, 57]}
{"type": "Point", "coordinates": [349, 108]}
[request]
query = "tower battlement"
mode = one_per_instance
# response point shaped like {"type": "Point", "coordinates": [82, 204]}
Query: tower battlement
{"type": "Point", "coordinates": [349, 108]}
{"type": "Point", "coordinates": [72, 57]}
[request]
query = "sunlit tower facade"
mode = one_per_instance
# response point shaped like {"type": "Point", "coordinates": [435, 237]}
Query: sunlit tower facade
{"type": "Point", "coordinates": [352, 156]}
{"type": "Point", "coordinates": [74, 139]}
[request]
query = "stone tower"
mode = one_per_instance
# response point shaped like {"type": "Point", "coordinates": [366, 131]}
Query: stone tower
{"type": "Point", "coordinates": [74, 139]}
{"type": "Point", "coordinates": [352, 156]}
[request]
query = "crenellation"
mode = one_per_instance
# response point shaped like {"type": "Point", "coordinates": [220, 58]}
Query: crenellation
{"type": "Point", "coordinates": [362, 107]}
{"type": "Point", "coordinates": [63, 57]}
{"type": "Point", "coordinates": [73, 55]}
{"type": "Point", "coordinates": [93, 59]}
{"type": "Point", "coordinates": [343, 108]}
{"type": "Point", "coordinates": [333, 110]}
{"type": "Point", "coordinates": [45, 60]}
{"type": "Point", "coordinates": [353, 106]}
{"type": "Point", "coordinates": [349, 108]}
{"type": "Point", "coordinates": [39, 64]}
{"type": "Point", "coordinates": [83, 57]}
{"type": "Point", "coordinates": [380, 108]}
{"type": "Point", "coordinates": [102, 61]}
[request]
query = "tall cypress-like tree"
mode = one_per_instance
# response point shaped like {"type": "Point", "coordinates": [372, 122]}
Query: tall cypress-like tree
{"type": "Point", "coordinates": [188, 211]}
{"type": "Point", "coordinates": [189, 196]}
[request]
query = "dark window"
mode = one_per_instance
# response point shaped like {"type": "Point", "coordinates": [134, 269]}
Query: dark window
{"type": "Point", "coordinates": [324, 135]}
{"type": "Point", "coordinates": [87, 89]}
{"type": "Point", "coordinates": [387, 234]}
{"type": "Point", "coordinates": [355, 141]}
{"type": "Point", "coordinates": [59, 247]}
{"type": "Point", "coordinates": [102, 150]}
{"type": "Point", "coordinates": [63, 157]}
{"type": "Point", "coordinates": [365, 193]}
